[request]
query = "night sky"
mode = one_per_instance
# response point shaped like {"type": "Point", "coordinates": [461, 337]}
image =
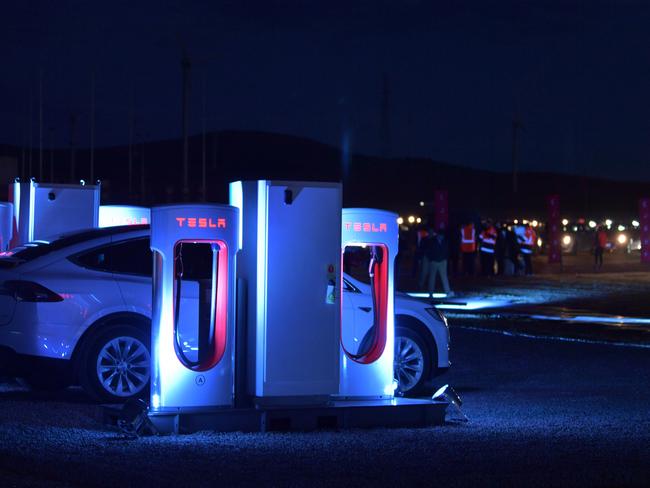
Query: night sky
{"type": "Point", "coordinates": [577, 74]}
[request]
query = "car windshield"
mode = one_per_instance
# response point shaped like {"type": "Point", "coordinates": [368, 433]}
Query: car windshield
{"type": "Point", "coordinates": [33, 250]}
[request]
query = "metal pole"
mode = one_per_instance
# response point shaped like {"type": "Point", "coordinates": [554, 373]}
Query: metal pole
{"type": "Point", "coordinates": [186, 66]}
{"type": "Point", "coordinates": [92, 127]}
{"type": "Point", "coordinates": [40, 125]}
{"type": "Point", "coordinates": [31, 144]}
{"type": "Point", "coordinates": [514, 156]}
{"type": "Point", "coordinates": [73, 128]}
{"type": "Point", "coordinates": [142, 185]}
{"type": "Point", "coordinates": [52, 154]}
{"type": "Point", "coordinates": [131, 130]}
{"type": "Point", "coordinates": [203, 182]}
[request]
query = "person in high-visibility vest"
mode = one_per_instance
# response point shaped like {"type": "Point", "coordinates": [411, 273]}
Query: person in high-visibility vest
{"type": "Point", "coordinates": [468, 248]}
{"type": "Point", "coordinates": [600, 244]}
{"type": "Point", "coordinates": [487, 245]}
{"type": "Point", "coordinates": [526, 247]}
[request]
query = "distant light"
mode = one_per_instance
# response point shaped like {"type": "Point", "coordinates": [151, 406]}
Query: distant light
{"type": "Point", "coordinates": [524, 221]}
{"type": "Point", "coordinates": [535, 223]}
{"type": "Point", "coordinates": [418, 220]}
{"type": "Point", "coordinates": [635, 223]}
{"type": "Point", "coordinates": [566, 240]}
{"type": "Point", "coordinates": [622, 238]}
{"type": "Point", "coordinates": [515, 221]}
{"type": "Point", "coordinates": [472, 304]}
{"type": "Point", "coordinates": [608, 223]}
{"type": "Point", "coordinates": [575, 228]}
{"type": "Point", "coordinates": [422, 294]}
{"type": "Point", "coordinates": [539, 242]}
{"type": "Point", "coordinates": [621, 228]}
{"type": "Point", "coordinates": [411, 219]}
{"type": "Point", "coordinates": [565, 222]}
{"type": "Point", "coordinates": [421, 204]}
{"type": "Point", "coordinates": [592, 224]}
{"type": "Point", "coordinates": [400, 220]}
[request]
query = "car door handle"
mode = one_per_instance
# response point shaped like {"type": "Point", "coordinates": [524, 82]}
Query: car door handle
{"type": "Point", "coordinates": [365, 309]}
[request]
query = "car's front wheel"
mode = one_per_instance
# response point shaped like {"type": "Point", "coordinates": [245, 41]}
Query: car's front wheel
{"type": "Point", "coordinates": [412, 362]}
{"type": "Point", "coordinates": [116, 364]}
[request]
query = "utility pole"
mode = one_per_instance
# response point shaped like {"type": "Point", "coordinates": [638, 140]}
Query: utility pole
{"type": "Point", "coordinates": [31, 140]}
{"type": "Point", "coordinates": [51, 154]}
{"type": "Point", "coordinates": [92, 127]}
{"type": "Point", "coordinates": [40, 125]}
{"type": "Point", "coordinates": [131, 131]}
{"type": "Point", "coordinates": [385, 117]}
{"type": "Point", "coordinates": [186, 66]}
{"type": "Point", "coordinates": [516, 125]}
{"type": "Point", "coordinates": [73, 130]}
{"type": "Point", "coordinates": [23, 153]}
{"type": "Point", "coordinates": [203, 154]}
{"type": "Point", "coordinates": [142, 163]}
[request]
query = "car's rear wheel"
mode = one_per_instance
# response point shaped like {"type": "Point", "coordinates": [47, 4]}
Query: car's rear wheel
{"type": "Point", "coordinates": [116, 364]}
{"type": "Point", "coordinates": [412, 362]}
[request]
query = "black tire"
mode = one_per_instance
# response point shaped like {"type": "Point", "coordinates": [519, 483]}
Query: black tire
{"type": "Point", "coordinates": [121, 372]}
{"type": "Point", "coordinates": [407, 339]}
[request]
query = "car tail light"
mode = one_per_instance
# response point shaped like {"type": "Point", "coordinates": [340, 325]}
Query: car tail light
{"type": "Point", "coordinates": [28, 291]}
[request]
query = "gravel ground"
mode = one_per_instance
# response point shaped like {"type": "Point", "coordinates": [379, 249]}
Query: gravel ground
{"type": "Point", "coordinates": [542, 412]}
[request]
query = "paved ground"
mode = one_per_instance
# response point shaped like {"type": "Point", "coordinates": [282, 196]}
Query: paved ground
{"type": "Point", "coordinates": [542, 412]}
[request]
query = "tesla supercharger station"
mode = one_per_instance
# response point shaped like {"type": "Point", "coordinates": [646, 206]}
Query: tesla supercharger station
{"type": "Point", "coordinates": [290, 267]}
{"type": "Point", "coordinates": [193, 316]}
{"type": "Point", "coordinates": [44, 210]}
{"type": "Point", "coordinates": [369, 246]}
{"type": "Point", "coordinates": [113, 215]}
{"type": "Point", "coordinates": [6, 224]}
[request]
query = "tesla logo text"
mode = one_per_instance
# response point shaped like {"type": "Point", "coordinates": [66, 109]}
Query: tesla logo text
{"type": "Point", "coordinates": [365, 227]}
{"type": "Point", "coordinates": [201, 222]}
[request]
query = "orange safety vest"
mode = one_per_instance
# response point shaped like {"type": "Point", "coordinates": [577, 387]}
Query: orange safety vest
{"type": "Point", "coordinates": [468, 239]}
{"type": "Point", "coordinates": [488, 240]}
{"type": "Point", "coordinates": [528, 244]}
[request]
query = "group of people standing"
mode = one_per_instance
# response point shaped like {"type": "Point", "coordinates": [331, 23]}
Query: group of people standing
{"type": "Point", "coordinates": [499, 248]}
{"type": "Point", "coordinates": [502, 249]}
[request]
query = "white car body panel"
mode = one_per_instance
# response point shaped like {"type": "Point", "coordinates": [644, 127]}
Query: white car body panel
{"type": "Point", "coordinates": [404, 305]}
{"type": "Point", "coordinates": [53, 329]}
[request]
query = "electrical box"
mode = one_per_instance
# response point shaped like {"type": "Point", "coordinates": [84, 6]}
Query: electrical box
{"type": "Point", "coordinates": [369, 245]}
{"type": "Point", "coordinates": [290, 264]}
{"type": "Point", "coordinates": [193, 306]}
{"type": "Point", "coordinates": [114, 215]}
{"type": "Point", "coordinates": [46, 210]}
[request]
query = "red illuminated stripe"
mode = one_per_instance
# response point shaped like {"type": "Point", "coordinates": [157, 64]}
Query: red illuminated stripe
{"type": "Point", "coordinates": [380, 289]}
{"type": "Point", "coordinates": [221, 319]}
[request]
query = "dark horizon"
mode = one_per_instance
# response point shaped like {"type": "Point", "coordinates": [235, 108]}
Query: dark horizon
{"type": "Point", "coordinates": [398, 184]}
{"type": "Point", "coordinates": [573, 75]}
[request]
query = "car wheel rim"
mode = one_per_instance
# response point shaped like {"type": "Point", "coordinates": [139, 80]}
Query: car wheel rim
{"type": "Point", "coordinates": [123, 366]}
{"type": "Point", "coordinates": [409, 363]}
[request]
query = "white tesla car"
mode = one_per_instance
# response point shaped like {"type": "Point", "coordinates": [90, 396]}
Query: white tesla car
{"type": "Point", "coordinates": [78, 309]}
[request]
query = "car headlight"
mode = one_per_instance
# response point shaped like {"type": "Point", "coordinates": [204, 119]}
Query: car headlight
{"type": "Point", "coordinates": [437, 314]}
{"type": "Point", "coordinates": [622, 238]}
